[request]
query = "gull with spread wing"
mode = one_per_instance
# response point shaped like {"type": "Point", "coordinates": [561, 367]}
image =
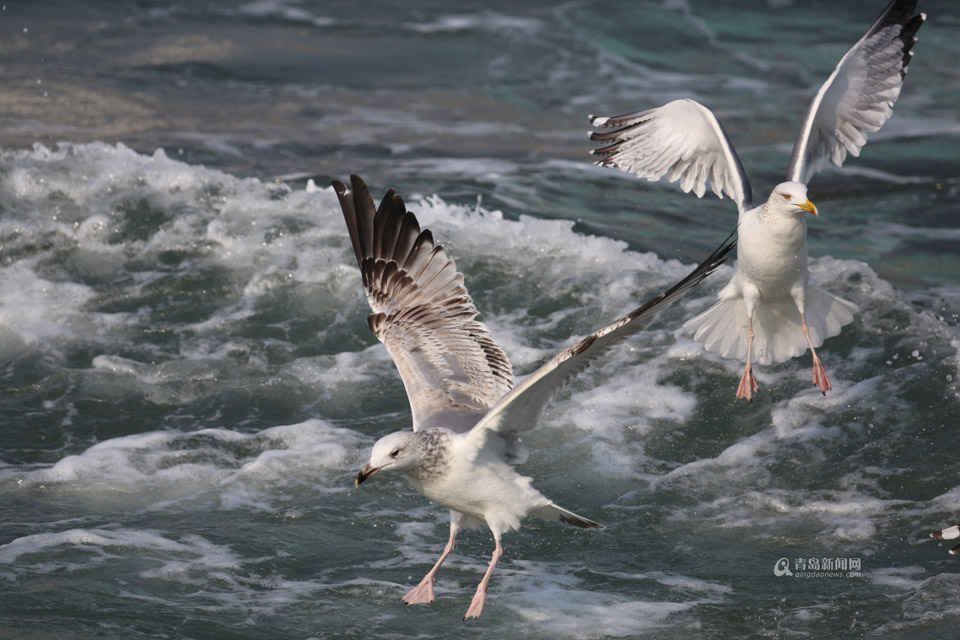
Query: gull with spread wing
{"type": "Point", "coordinates": [769, 311]}
{"type": "Point", "coordinates": [467, 413]}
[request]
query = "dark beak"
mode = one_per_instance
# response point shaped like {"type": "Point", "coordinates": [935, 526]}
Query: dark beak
{"type": "Point", "coordinates": [365, 473]}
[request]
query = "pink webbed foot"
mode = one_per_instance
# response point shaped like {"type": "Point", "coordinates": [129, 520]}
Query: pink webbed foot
{"type": "Point", "coordinates": [422, 593]}
{"type": "Point", "coordinates": [820, 376]}
{"type": "Point", "coordinates": [476, 606]}
{"type": "Point", "coordinates": [748, 384]}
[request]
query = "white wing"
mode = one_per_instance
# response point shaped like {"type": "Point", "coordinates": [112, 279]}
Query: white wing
{"type": "Point", "coordinates": [682, 140]}
{"type": "Point", "coordinates": [452, 369]}
{"type": "Point", "coordinates": [858, 96]}
{"type": "Point", "coordinates": [520, 409]}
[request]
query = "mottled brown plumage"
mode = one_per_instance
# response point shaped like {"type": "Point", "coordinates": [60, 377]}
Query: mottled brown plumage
{"type": "Point", "coordinates": [422, 313]}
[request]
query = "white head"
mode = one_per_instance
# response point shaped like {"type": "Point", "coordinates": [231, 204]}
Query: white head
{"type": "Point", "coordinates": [790, 198]}
{"type": "Point", "coordinates": [394, 452]}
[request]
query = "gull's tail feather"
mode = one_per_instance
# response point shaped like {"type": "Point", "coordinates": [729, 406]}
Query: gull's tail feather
{"type": "Point", "coordinates": [776, 325]}
{"type": "Point", "coordinates": [553, 513]}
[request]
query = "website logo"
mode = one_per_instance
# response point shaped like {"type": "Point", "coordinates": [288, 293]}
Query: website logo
{"type": "Point", "coordinates": [818, 568]}
{"type": "Point", "coordinates": [782, 568]}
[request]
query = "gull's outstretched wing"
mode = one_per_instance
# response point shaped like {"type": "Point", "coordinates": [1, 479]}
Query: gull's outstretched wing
{"type": "Point", "coordinates": [682, 140]}
{"type": "Point", "coordinates": [452, 369]}
{"type": "Point", "coordinates": [520, 409]}
{"type": "Point", "coordinates": [858, 96]}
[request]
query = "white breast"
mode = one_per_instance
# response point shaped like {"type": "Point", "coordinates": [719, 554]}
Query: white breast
{"type": "Point", "coordinates": [772, 252]}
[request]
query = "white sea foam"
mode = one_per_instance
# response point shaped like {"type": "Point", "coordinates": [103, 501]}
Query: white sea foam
{"type": "Point", "coordinates": [586, 614]}
{"type": "Point", "coordinates": [488, 21]}
{"type": "Point", "coordinates": [218, 577]}
{"type": "Point", "coordinates": [285, 10]}
{"type": "Point", "coordinates": [931, 602]}
{"type": "Point", "coordinates": [605, 447]}
{"type": "Point", "coordinates": [36, 310]}
{"type": "Point", "coordinates": [271, 239]}
{"type": "Point", "coordinates": [229, 468]}
{"type": "Point", "coordinates": [104, 544]}
{"type": "Point", "coordinates": [267, 239]}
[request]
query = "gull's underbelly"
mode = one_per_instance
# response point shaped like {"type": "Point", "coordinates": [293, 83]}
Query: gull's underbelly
{"type": "Point", "coordinates": [775, 264]}
{"type": "Point", "coordinates": [488, 493]}
{"type": "Point", "coordinates": [774, 281]}
{"type": "Point", "coordinates": [468, 500]}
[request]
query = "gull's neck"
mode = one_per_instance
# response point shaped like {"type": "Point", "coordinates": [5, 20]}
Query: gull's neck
{"type": "Point", "coordinates": [436, 454]}
{"type": "Point", "coordinates": [769, 214]}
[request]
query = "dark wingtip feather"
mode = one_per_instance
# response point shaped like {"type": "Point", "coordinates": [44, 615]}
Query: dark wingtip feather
{"type": "Point", "coordinates": [708, 266]}
{"type": "Point", "coordinates": [347, 205]}
{"type": "Point", "coordinates": [581, 522]}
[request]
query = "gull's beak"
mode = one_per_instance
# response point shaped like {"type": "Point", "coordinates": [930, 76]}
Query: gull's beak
{"type": "Point", "coordinates": [365, 473]}
{"type": "Point", "coordinates": [809, 207]}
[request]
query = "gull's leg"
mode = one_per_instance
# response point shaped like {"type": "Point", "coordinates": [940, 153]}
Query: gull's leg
{"type": "Point", "coordinates": [748, 384]}
{"type": "Point", "coordinates": [476, 606]}
{"type": "Point", "coordinates": [423, 592]}
{"type": "Point", "coordinates": [819, 375]}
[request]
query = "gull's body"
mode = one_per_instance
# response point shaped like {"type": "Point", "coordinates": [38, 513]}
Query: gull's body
{"type": "Point", "coordinates": [466, 411]}
{"type": "Point", "coordinates": [484, 491]}
{"type": "Point", "coordinates": [769, 312]}
{"type": "Point", "coordinates": [773, 252]}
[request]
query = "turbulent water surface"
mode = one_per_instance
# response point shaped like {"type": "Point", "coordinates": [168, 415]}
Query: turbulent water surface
{"type": "Point", "coordinates": [188, 384]}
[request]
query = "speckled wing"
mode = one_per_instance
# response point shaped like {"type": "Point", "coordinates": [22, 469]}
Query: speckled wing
{"type": "Point", "coordinates": [858, 96]}
{"type": "Point", "coordinates": [452, 369]}
{"type": "Point", "coordinates": [682, 140]}
{"type": "Point", "coordinates": [520, 409]}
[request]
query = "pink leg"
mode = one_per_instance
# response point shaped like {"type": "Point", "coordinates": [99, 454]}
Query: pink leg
{"type": "Point", "coordinates": [480, 596]}
{"type": "Point", "coordinates": [819, 375]}
{"type": "Point", "coordinates": [423, 592]}
{"type": "Point", "coordinates": [748, 384]}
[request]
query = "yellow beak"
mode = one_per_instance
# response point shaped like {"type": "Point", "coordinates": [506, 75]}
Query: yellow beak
{"type": "Point", "coordinates": [809, 207]}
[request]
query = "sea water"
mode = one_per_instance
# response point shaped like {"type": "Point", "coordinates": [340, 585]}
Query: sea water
{"type": "Point", "coordinates": [188, 385]}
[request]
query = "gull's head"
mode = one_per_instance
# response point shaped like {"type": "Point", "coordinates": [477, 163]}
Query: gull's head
{"type": "Point", "coordinates": [395, 452]}
{"type": "Point", "coordinates": [791, 198]}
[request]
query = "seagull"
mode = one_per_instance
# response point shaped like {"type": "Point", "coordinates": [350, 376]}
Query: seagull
{"type": "Point", "coordinates": [769, 311]}
{"type": "Point", "coordinates": [950, 533]}
{"type": "Point", "coordinates": [467, 413]}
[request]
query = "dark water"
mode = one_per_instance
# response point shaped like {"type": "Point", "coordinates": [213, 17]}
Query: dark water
{"type": "Point", "coordinates": [188, 385]}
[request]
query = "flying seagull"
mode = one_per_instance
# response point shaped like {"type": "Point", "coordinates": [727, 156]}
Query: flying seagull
{"type": "Point", "coordinates": [467, 413]}
{"type": "Point", "coordinates": [950, 533]}
{"type": "Point", "coordinates": [769, 312]}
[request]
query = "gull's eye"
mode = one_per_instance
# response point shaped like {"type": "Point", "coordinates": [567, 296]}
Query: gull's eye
{"type": "Point", "coordinates": [395, 453]}
{"type": "Point", "coordinates": [786, 196]}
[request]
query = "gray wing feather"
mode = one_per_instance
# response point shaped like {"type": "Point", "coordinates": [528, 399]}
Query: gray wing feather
{"type": "Point", "coordinates": [452, 369]}
{"type": "Point", "coordinates": [858, 97]}
{"type": "Point", "coordinates": [682, 140]}
{"type": "Point", "coordinates": [520, 409]}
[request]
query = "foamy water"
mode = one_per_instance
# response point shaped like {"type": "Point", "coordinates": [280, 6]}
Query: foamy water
{"type": "Point", "coordinates": [209, 387]}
